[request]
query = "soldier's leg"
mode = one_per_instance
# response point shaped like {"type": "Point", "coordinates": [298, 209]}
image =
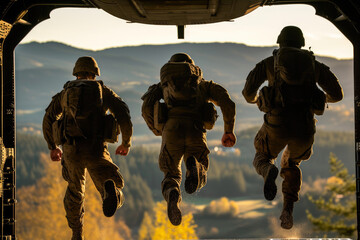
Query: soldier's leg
{"type": "Point", "coordinates": [298, 149]}
{"type": "Point", "coordinates": [74, 173]}
{"type": "Point", "coordinates": [107, 179]}
{"type": "Point", "coordinates": [172, 150]}
{"type": "Point", "coordinates": [196, 159]}
{"type": "Point", "coordinates": [170, 165]}
{"type": "Point", "coordinates": [267, 144]}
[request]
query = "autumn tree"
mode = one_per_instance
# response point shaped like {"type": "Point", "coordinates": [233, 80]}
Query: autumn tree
{"type": "Point", "coordinates": [146, 230]}
{"type": "Point", "coordinates": [159, 227]}
{"type": "Point", "coordinates": [41, 215]}
{"type": "Point", "coordinates": [337, 202]}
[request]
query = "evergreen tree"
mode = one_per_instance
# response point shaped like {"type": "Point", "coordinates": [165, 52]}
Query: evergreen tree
{"type": "Point", "coordinates": [337, 202]}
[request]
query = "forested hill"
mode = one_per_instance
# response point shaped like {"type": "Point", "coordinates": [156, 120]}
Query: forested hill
{"type": "Point", "coordinates": [43, 68]}
{"type": "Point", "coordinates": [142, 161]}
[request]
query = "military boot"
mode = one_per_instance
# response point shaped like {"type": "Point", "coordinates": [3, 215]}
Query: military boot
{"type": "Point", "coordinates": [174, 213]}
{"type": "Point", "coordinates": [113, 198]}
{"type": "Point", "coordinates": [270, 175]}
{"type": "Point", "coordinates": [77, 234]}
{"type": "Point", "coordinates": [286, 215]}
{"type": "Point", "coordinates": [192, 175]}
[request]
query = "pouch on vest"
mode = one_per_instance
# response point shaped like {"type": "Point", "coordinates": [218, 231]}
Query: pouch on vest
{"type": "Point", "coordinates": [83, 109]}
{"type": "Point", "coordinates": [319, 102]}
{"type": "Point", "coordinates": [266, 99]}
{"type": "Point", "coordinates": [179, 82]}
{"type": "Point", "coordinates": [160, 115]}
{"type": "Point", "coordinates": [58, 132]}
{"type": "Point", "coordinates": [111, 129]}
{"type": "Point", "coordinates": [209, 115]}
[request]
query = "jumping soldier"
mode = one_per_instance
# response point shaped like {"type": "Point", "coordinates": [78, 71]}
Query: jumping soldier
{"type": "Point", "coordinates": [182, 120]}
{"type": "Point", "coordinates": [76, 119]}
{"type": "Point", "coordinates": [289, 101]}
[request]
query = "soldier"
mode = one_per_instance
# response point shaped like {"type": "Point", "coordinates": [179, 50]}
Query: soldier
{"type": "Point", "coordinates": [182, 122]}
{"type": "Point", "coordinates": [289, 101]}
{"type": "Point", "coordinates": [74, 119]}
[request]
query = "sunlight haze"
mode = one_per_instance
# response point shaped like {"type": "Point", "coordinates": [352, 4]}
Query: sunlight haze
{"type": "Point", "coordinates": [95, 29]}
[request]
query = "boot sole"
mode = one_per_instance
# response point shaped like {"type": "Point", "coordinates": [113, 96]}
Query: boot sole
{"type": "Point", "coordinates": [270, 188]}
{"type": "Point", "coordinates": [110, 203]}
{"type": "Point", "coordinates": [174, 213]}
{"type": "Point", "coordinates": [191, 181]}
{"type": "Point", "coordinates": [287, 221]}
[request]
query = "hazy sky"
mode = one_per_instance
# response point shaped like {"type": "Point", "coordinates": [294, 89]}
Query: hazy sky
{"type": "Point", "coordinates": [95, 29]}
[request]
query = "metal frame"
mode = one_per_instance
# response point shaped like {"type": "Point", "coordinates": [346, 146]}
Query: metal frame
{"type": "Point", "coordinates": [18, 17]}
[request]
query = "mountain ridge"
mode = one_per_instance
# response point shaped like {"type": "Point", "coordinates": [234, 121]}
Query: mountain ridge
{"type": "Point", "coordinates": [43, 68]}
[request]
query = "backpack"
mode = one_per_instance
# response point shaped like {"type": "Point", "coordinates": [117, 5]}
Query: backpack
{"type": "Point", "coordinates": [83, 112]}
{"type": "Point", "coordinates": [295, 81]}
{"type": "Point", "coordinates": [180, 85]}
{"type": "Point", "coordinates": [179, 82]}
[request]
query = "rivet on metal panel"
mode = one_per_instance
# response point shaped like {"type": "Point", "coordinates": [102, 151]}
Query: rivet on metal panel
{"type": "Point", "coordinates": [4, 28]}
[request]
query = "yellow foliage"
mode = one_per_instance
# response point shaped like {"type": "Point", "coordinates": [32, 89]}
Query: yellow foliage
{"type": "Point", "coordinates": [146, 228]}
{"type": "Point", "coordinates": [162, 229]}
{"type": "Point", "coordinates": [335, 180]}
{"type": "Point", "coordinates": [41, 215]}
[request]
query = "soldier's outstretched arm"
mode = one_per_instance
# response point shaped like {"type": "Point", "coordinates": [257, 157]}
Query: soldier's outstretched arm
{"type": "Point", "coordinates": [52, 113]}
{"type": "Point", "coordinates": [329, 83]}
{"type": "Point", "coordinates": [220, 97]}
{"type": "Point", "coordinates": [122, 114]}
{"type": "Point", "coordinates": [253, 82]}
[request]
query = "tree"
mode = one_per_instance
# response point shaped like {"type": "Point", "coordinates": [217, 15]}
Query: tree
{"type": "Point", "coordinates": [146, 230]}
{"type": "Point", "coordinates": [337, 202]}
{"type": "Point", "coordinates": [161, 228]}
{"type": "Point", "coordinates": [41, 215]}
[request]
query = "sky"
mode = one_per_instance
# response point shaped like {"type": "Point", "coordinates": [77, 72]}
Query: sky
{"type": "Point", "coordinates": [95, 29]}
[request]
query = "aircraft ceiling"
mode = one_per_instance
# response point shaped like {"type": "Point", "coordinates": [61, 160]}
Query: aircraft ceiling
{"type": "Point", "coordinates": [345, 14]}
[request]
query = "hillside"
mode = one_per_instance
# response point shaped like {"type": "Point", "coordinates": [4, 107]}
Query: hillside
{"type": "Point", "coordinates": [143, 177]}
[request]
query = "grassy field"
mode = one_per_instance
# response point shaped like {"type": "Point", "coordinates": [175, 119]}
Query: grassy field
{"type": "Point", "coordinates": [242, 218]}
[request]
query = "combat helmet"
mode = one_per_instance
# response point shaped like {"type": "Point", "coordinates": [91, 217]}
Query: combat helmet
{"type": "Point", "coordinates": [181, 57]}
{"type": "Point", "coordinates": [291, 36]}
{"type": "Point", "coordinates": [86, 64]}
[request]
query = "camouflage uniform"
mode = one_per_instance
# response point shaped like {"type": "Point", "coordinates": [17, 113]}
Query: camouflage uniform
{"type": "Point", "coordinates": [184, 135]}
{"type": "Point", "coordinates": [80, 154]}
{"type": "Point", "coordinates": [290, 128]}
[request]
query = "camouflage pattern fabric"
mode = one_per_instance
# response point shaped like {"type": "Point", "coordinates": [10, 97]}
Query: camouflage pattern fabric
{"type": "Point", "coordinates": [111, 101]}
{"type": "Point", "coordinates": [293, 128]}
{"type": "Point", "coordinates": [77, 160]}
{"type": "Point", "coordinates": [81, 155]}
{"type": "Point", "coordinates": [182, 137]}
{"type": "Point", "coordinates": [269, 142]}
{"type": "Point", "coordinates": [184, 134]}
